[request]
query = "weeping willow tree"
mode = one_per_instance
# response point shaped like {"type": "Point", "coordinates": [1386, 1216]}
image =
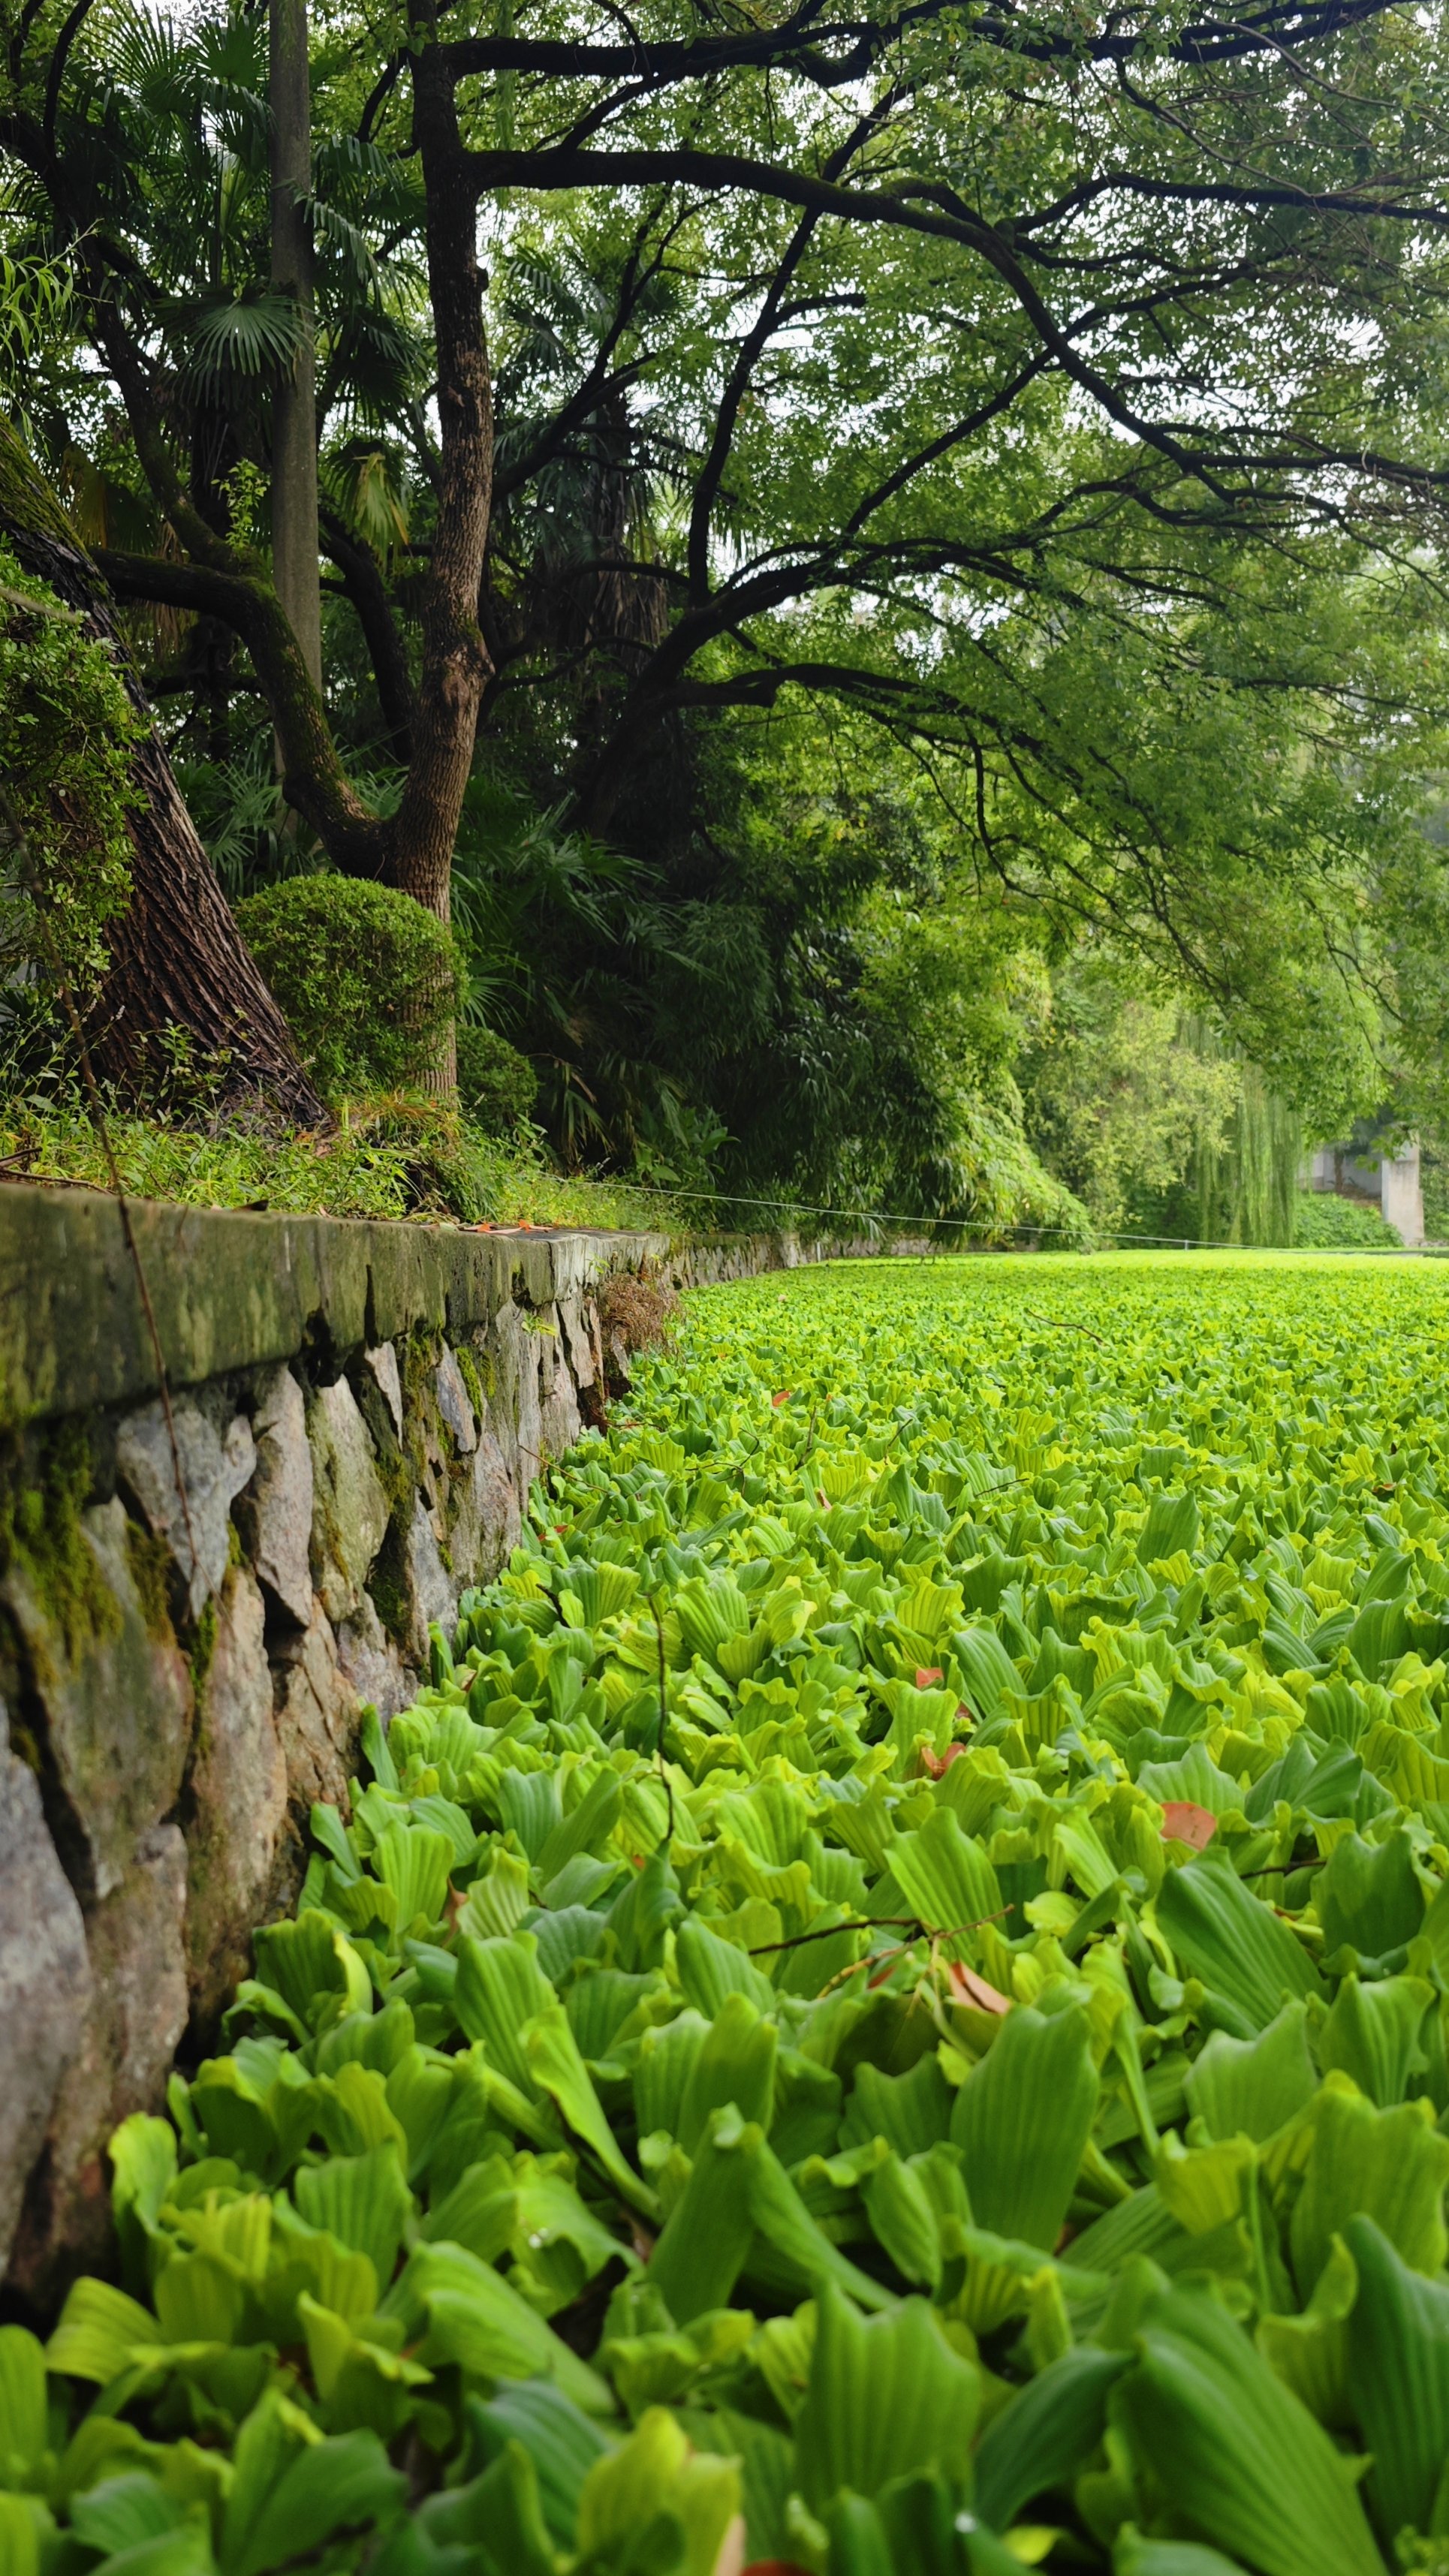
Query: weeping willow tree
{"type": "Point", "coordinates": [1244, 1180]}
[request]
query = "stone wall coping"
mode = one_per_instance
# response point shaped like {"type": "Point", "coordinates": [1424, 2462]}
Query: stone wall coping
{"type": "Point", "coordinates": [236, 1289]}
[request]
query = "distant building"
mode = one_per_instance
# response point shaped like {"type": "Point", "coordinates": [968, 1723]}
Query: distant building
{"type": "Point", "coordinates": [1389, 1182]}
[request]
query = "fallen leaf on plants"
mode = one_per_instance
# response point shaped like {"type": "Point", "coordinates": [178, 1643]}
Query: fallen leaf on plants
{"type": "Point", "coordinates": [1182, 1822]}
{"type": "Point", "coordinates": [968, 1988]}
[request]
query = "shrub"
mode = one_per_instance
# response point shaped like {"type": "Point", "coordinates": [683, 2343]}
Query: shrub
{"type": "Point", "coordinates": [496, 1085]}
{"type": "Point", "coordinates": [1323, 1222]}
{"type": "Point", "coordinates": [368, 980]}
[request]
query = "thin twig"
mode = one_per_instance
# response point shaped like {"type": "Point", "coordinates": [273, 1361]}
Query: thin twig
{"type": "Point", "coordinates": [880, 1922]}
{"type": "Point", "coordinates": [1060, 1324]}
{"type": "Point", "coordinates": [98, 1120]}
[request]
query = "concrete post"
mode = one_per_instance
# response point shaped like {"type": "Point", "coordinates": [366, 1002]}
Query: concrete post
{"type": "Point", "coordinates": [1400, 1195]}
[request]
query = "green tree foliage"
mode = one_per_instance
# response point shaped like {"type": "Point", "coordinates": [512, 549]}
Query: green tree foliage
{"type": "Point", "coordinates": [1028, 430]}
{"type": "Point", "coordinates": [1120, 1101]}
{"type": "Point", "coordinates": [1243, 1188]}
{"type": "Point", "coordinates": [1158, 1123]}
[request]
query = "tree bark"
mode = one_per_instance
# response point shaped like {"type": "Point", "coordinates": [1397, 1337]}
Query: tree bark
{"type": "Point", "coordinates": [294, 403]}
{"type": "Point", "coordinates": [455, 663]}
{"type": "Point", "coordinates": [177, 957]}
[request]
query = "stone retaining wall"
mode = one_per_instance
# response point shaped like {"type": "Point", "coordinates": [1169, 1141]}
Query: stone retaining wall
{"type": "Point", "coordinates": [358, 1411]}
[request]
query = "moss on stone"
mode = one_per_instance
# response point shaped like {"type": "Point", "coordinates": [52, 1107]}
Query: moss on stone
{"type": "Point", "coordinates": [418, 1357]}
{"type": "Point", "coordinates": [41, 1533]}
{"type": "Point", "coordinates": [398, 1477]}
{"type": "Point", "coordinates": [149, 1559]}
{"type": "Point", "coordinates": [422, 1421]}
{"type": "Point", "coordinates": [472, 1377]}
{"type": "Point", "coordinates": [203, 1648]}
{"type": "Point", "coordinates": [24, 1745]}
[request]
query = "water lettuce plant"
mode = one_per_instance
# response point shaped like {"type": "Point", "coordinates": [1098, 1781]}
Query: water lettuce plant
{"type": "Point", "coordinates": [884, 2012]}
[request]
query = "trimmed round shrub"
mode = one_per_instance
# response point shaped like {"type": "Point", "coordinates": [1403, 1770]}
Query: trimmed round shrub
{"type": "Point", "coordinates": [367, 979]}
{"type": "Point", "coordinates": [496, 1085]}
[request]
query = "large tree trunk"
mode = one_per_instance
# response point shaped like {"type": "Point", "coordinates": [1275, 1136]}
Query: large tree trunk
{"type": "Point", "coordinates": [455, 664]}
{"type": "Point", "coordinates": [294, 403]}
{"type": "Point", "coordinates": [177, 957]}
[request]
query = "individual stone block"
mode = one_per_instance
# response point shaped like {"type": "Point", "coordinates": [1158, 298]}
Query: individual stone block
{"type": "Point", "coordinates": [488, 1517]}
{"type": "Point", "coordinates": [433, 1593]}
{"type": "Point", "coordinates": [454, 1403]}
{"type": "Point", "coordinates": [350, 1507]}
{"type": "Point", "coordinates": [371, 1664]}
{"type": "Point", "coordinates": [516, 1415]}
{"type": "Point", "coordinates": [276, 1513]}
{"type": "Point", "coordinates": [45, 1983]}
{"type": "Point", "coordinates": [317, 1717]}
{"type": "Point", "coordinates": [138, 1957]}
{"type": "Point", "coordinates": [579, 1341]}
{"type": "Point", "coordinates": [128, 2039]}
{"type": "Point", "coordinates": [117, 1702]}
{"type": "Point", "coordinates": [559, 1423]}
{"type": "Point", "coordinates": [213, 1472]}
{"type": "Point", "coordinates": [238, 1797]}
{"type": "Point", "coordinates": [382, 1364]}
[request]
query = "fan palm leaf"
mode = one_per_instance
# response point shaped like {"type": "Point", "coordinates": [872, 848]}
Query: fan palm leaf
{"type": "Point", "coordinates": [249, 336]}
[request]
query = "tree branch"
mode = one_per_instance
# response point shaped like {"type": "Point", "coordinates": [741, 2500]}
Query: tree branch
{"type": "Point", "coordinates": [455, 664]}
{"type": "Point", "coordinates": [367, 592]}
{"type": "Point", "coordinates": [58, 60]}
{"type": "Point", "coordinates": [313, 779]}
{"type": "Point", "coordinates": [801, 45]}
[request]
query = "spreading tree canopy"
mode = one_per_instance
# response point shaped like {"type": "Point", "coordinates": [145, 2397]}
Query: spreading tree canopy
{"type": "Point", "coordinates": [1053, 396]}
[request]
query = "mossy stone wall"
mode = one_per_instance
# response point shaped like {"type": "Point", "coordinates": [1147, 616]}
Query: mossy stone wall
{"type": "Point", "coordinates": [358, 1410]}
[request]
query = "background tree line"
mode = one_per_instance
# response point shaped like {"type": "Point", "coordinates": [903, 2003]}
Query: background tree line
{"type": "Point", "coordinates": [871, 561]}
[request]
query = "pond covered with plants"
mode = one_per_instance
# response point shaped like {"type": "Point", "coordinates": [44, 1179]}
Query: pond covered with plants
{"type": "Point", "coordinates": [884, 2011]}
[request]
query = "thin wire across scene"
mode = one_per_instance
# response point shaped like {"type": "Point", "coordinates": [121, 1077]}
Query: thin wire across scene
{"type": "Point", "coordinates": [965, 1225]}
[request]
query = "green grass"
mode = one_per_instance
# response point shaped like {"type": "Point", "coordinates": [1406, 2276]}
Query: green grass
{"type": "Point", "coordinates": [400, 1158]}
{"type": "Point", "coordinates": [894, 1984]}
